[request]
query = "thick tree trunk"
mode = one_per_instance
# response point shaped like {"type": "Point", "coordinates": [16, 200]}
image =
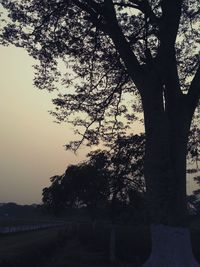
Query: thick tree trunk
{"type": "Point", "coordinates": [165, 158]}
{"type": "Point", "coordinates": [171, 246]}
{"type": "Point", "coordinates": [165, 176]}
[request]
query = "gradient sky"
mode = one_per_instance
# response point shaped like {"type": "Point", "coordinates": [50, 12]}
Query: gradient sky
{"type": "Point", "coordinates": [31, 144]}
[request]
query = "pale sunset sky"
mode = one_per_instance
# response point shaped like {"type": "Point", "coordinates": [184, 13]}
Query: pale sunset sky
{"type": "Point", "coordinates": [31, 143]}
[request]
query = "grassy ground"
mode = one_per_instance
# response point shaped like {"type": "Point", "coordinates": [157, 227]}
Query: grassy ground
{"type": "Point", "coordinates": [64, 247]}
{"type": "Point", "coordinates": [133, 247]}
{"type": "Point", "coordinates": [61, 247]}
{"type": "Point", "coordinates": [74, 254]}
{"type": "Point", "coordinates": [26, 249]}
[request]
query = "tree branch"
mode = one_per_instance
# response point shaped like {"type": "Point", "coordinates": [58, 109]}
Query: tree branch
{"type": "Point", "coordinates": [171, 10]}
{"type": "Point", "coordinates": [122, 46]}
{"type": "Point", "coordinates": [113, 30]}
{"type": "Point", "coordinates": [168, 29]}
{"type": "Point", "coordinates": [145, 7]}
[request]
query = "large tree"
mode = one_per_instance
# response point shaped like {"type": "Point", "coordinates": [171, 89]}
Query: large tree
{"type": "Point", "coordinates": [146, 48]}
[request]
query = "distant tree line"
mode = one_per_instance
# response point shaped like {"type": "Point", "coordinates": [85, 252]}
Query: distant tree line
{"type": "Point", "coordinates": [110, 179]}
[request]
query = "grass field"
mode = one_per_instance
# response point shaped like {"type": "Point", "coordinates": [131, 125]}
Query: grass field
{"type": "Point", "coordinates": [61, 247]}
{"type": "Point", "coordinates": [27, 249]}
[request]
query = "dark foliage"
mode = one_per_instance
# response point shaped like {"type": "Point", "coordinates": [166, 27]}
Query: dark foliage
{"type": "Point", "coordinates": [108, 179]}
{"type": "Point", "coordinates": [88, 38]}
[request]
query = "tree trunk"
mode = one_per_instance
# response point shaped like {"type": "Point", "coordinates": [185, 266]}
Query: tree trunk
{"type": "Point", "coordinates": [165, 175]}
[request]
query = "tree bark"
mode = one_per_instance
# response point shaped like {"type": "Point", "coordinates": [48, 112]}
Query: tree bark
{"type": "Point", "coordinates": [167, 130]}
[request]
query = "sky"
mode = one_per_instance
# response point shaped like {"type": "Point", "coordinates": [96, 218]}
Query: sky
{"type": "Point", "coordinates": [31, 144]}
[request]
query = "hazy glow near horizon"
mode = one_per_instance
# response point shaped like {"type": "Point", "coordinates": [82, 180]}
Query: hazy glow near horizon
{"type": "Point", "coordinates": [31, 144]}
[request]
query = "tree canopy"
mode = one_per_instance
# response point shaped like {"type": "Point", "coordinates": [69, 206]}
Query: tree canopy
{"type": "Point", "coordinates": [105, 45]}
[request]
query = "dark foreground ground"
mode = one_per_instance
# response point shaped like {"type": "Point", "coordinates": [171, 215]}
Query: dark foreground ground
{"type": "Point", "coordinates": [79, 245]}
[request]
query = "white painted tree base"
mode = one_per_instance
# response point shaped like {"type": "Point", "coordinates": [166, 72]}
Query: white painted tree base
{"type": "Point", "coordinates": [171, 247]}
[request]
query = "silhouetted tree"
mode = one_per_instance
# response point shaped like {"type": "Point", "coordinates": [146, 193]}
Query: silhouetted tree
{"type": "Point", "coordinates": [107, 176]}
{"type": "Point", "coordinates": [123, 166]}
{"type": "Point", "coordinates": [80, 186]}
{"type": "Point", "coordinates": [52, 196]}
{"type": "Point", "coordinates": [126, 165]}
{"type": "Point", "coordinates": [148, 49]}
{"type": "Point", "coordinates": [112, 179]}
